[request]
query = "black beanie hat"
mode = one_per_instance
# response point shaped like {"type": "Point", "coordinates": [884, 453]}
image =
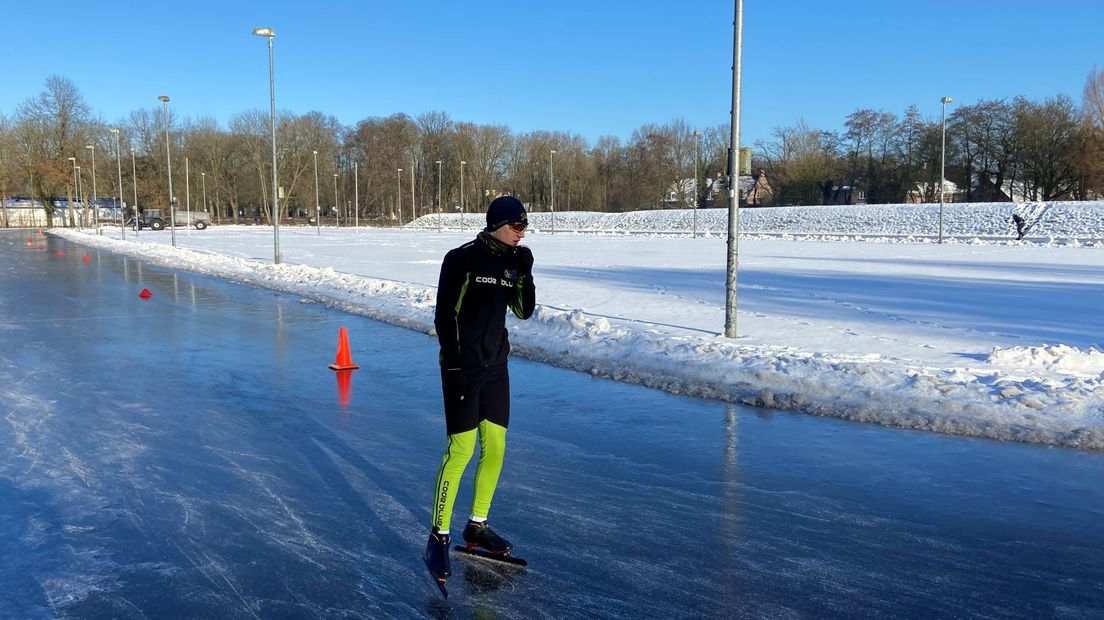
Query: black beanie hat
{"type": "Point", "coordinates": [505, 210]}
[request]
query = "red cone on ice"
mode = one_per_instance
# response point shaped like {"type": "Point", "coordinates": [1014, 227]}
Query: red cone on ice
{"type": "Point", "coordinates": [344, 359]}
{"type": "Point", "coordinates": [145, 294]}
{"type": "Point", "coordinates": [86, 259]}
{"type": "Point", "coordinates": [60, 253]}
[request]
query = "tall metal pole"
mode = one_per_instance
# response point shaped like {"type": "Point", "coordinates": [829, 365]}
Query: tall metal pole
{"type": "Point", "coordinates": [134, 183]}
{"type": "Point", "coordinates": [733, 175]}
{"type": "Point", "coordinates": [168, 159]}
{"type": "Point", "coordinates": [317, 204]}
{"type": "Point", "coordinates": [552, 174]}
{"type": "Point", "coordinates": [203, 183]}
{"type": "Point", "coordinates": [119, 165]}
{"type": "Point", "coordinates": [398, 175]}
{"type": "Point", "coordinates": [95, 215]}
{"type": "Point", "coordinates": [440, 213]}
{"type": "Point", "coordinates": [697, 187]}
{"type": "Point", "coordinates": [356, 197]}
{"type": "Point", "coordinates": [337, 208]}
{"type": "Point", "coordinates": [71, 208]}
{"type": "Point", "coordinates": [187, 189]}
{"type": "Point", "coordinates": [943, 163]}
{"type": "Point", "coordinates": [80, 195]}
{"type": "Point", "coordinates": [462, 194]}
{"type": "Point", "coordinates": [413, 201]}
{"type": "Point", "coordinates": [270, 34]}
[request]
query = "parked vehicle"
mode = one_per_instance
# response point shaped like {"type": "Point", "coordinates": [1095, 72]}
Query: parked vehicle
{"type": "Point", "coordinates": [154, 220]}
{"type": "Point", "coordinates": [199, 219]}
{"type": "Point", "coordinates": [150, 218]}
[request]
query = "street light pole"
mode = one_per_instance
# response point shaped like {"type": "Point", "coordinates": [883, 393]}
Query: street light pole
{"type": "Point", "coordinates": [168, 159]}
{"type": "Point", "coordinates": [697, 188]}
{"type": "Point", "coordinates": [203, 183]}
{"type": "Point", "coordinates": [356, 197]}
{"type": "Point", "coordinates": [440, 213]}
{"type": "Point", "coordinates": [733, 174]}
{"type": "Point", "coordinates": [270, 34]}
{"type": "Point", "coordinates": [119, 165]}
{"type": "Point", "coordinates": [95, 215]}
{"type": "Point", "coordinates": [552, 173]}
{"type": "Point", "coordinates": [317, 204]}
{"type": "Point", "coordinates": [188, 190]}
{"type": "Point", "coordinates": [80, 198]}
{"type": "Point", "coordinates": [76, 195]}
{"type": "Point", "coordinates": [462, 194]}
{"type": "Point", "coordinates": [943, 163]}
{"type": "Point", "coordinates": [398, 175]}
{"type": "Point", "coordinates": [337, 209]}
{"type": "Point", "coordinates": [134, 184]}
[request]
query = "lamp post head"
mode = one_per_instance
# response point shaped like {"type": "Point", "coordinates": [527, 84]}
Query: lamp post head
{"type": "Point", "coordinates": [115, 130]}
{"type": "Point", "coordinates": [946, 100]}
{"type": "Point", "coordinates": [164, 98]}
{"type": "Point", "coordinates": [73, 159]}
{"type": "Point", "coordinates": [264, 32]}
{"type": "Point", "coordinates": [90, 146]}
{"type": "Point", "coordinates": [553, 151]}
{"type": "Point", "coordinates": [463, 162]}
{"type": "Point", "coordinates": [315, 152]}
{"type": "Point", "coordinates": [400, 169]}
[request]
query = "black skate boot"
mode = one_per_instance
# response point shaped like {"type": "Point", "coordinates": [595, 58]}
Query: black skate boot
{"type": "Point", "coordinates": [481, 535]}
{"type": "Point", "coordinates": [436, 559]}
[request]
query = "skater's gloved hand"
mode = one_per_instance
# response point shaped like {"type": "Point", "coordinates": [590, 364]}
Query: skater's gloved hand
{"type": "Point", "coordinates": [454, 383]}
{"type": "Point", "coordinates": [524, 260]}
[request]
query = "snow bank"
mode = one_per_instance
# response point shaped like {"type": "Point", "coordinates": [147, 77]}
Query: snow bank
{"type": "Point", "coordinates": [1044, 220]}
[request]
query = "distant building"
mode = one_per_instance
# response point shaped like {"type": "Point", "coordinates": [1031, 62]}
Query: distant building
{"type": "Point", "coordinates": [929, 192]}
{"type": "Point", "coordinates": [838, 193]}
{"type": "Point", "coordinates": [27, 212]}
{"type": "Point", "coordinates": [755, 191]}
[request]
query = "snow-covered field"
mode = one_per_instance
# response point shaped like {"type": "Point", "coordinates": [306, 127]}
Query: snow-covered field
{"type": "Point", "coordinates": [851, 312]}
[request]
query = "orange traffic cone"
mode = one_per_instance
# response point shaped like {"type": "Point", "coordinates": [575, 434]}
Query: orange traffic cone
{"type": "Point", "coordinates": [344, 359]}
{"type": "Point", "coordinates": [145, 293]}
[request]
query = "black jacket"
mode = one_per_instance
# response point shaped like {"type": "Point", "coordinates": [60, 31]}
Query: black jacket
{"type": "Point", "coordinates": [479, 281]}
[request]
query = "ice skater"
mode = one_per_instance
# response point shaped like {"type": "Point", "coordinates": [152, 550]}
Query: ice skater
{"type": "Point", "coordinates": [479, 281]}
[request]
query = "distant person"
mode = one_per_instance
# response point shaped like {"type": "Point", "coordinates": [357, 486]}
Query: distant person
{"type": "Point", "coordinates": [479, 281]}
{"type": "Point", "coordinates": [1018, 220]}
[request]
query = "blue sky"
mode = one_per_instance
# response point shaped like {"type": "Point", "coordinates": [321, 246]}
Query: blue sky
{"type": "Point", "coordinates": [601, 67]}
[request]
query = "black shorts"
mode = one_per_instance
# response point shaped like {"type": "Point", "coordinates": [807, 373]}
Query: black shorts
{"type": "Point", "coordinates": [486, 396]}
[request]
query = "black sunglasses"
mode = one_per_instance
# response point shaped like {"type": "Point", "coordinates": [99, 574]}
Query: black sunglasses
{"type": "Point", "coordinates": [519, 227]}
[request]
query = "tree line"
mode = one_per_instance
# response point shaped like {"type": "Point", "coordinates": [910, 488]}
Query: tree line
{"type": "Point", "coordinates": [1038, 150]}
{"type": "Point", "coordinates": [390, 164]}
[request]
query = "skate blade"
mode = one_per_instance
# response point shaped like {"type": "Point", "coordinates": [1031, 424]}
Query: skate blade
{"type": "Point", "coordinates": [480, 552]}
{"type": "Point", "coordinates": [439, 581]}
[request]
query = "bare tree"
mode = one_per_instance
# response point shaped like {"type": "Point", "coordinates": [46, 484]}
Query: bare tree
{"type": "Point", "coordinates": [52, 128]}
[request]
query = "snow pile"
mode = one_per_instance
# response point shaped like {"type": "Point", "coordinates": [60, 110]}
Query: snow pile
{"type": "Point", "coordinates": [1057, 358]}
{"type": "Point", "coordinates": [1045, 394]}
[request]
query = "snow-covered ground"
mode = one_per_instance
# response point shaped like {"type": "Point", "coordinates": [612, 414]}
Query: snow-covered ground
{"type": "Point", "coordinates": [982, 335]}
